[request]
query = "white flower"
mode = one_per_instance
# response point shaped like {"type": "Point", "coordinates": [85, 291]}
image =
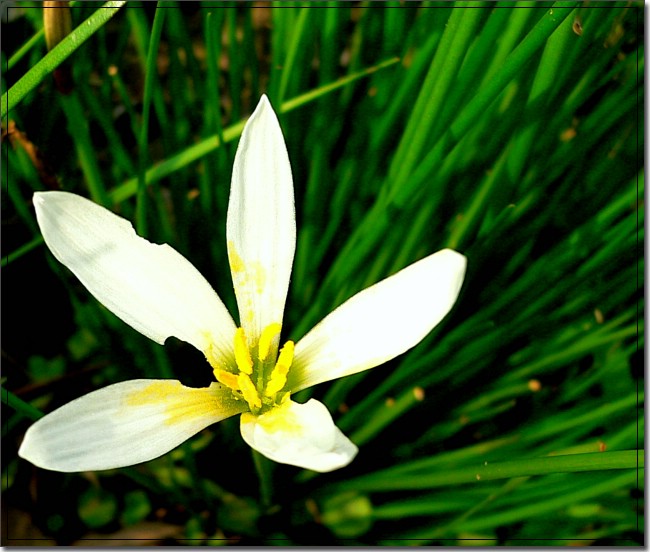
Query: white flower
{"type": "Point", "coordinates": [159, 293]}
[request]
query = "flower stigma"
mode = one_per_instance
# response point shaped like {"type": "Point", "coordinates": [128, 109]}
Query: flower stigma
{"type": "Point", "coordinates": [259, 373]}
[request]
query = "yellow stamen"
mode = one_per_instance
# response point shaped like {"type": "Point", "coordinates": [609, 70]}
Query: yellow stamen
{"type": "Point", "coordinates": [279, 375]}
{"type": "Point", "coordinates": [286, 355]}
{"type": "Point", "coordinates": [266, 339]}
{"type": "Point", "coordinates": [242, 354]}
{"type": "Point", "coordinates": [249, 391]}
{"type": "Point", "coordinates": [227, 378]}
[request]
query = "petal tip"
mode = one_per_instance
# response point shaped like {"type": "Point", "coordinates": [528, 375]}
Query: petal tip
{"type": "Point", "coordinates": [31, 451]}
{"type": "Point", "coordinates": [453, 254]}
{"type": "Point", "coordinates": [265, 110]}
{"type": "Point", "coordinates": [453, 262]}
{"type": "Point", "coordinates": [39, 199]}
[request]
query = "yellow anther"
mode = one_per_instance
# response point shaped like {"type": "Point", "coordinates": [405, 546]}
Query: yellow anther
{"type": "Point", "coordinates": [286, 355]}
{"type": "Point", "coordinates": [242, 354]}
{"type": "Point", "coordinates": [279, 373]}
{"type": "Point", "coordinates": [228, 379]}
{"type": "Point", "coordinates": [277, 381]}
{"type": "Point", "coordinates": [266, 339]}
{"type": "Point", "coordinates": [249, 391]}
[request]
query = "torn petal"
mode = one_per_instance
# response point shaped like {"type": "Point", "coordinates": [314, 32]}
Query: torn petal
{"type": "Point", "coordinates": [153, 288]}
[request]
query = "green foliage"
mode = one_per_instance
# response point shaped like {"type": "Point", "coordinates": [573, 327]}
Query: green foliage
{"type": "Point", "coordinates": [137, 507]}
{"type": "Point", "coordinates": [97, 507]}
{"type": "Point", "coordinates": [347, 514]}
{"type": "Point", "coordinates": [511, 132]}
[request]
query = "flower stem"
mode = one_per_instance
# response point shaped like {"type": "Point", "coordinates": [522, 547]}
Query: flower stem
{"type": "Point", "coordinates": [263, 468]}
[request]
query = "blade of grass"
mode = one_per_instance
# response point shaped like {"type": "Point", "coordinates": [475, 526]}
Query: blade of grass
{"type": "Point", "coordinates": [553, 504]}
{"type": "Point", "coordinates": [78, 129]}
{"type": "Point", "coordinates": [20, 406]}
{"type": "Point", "coordinates": [523, 467]}
{"type": "Point", "coordinates": [19, 252]}
{"type": "Point", "coordinates": [57, 55]}
{"type": "Point", "coordinates": [293, 46]}
{"type": "Point", "coordinates": [20, 53]}
{"type": "Point", "coordinates": [143, 139]}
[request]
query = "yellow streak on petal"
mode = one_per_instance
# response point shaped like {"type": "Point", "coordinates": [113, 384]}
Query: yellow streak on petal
{"type": "Point", "coordinates": [259, 277]}
{"type": "Point", "coordinates": [242, 354]}
{"type": "Point", "coordinates": [249, 391]}
{"type": "Point", "coordinates": [279, 374]}
{"type": "Point", "coordinates": [245, 272]}
{"type": "Point", "coordinates": [266, 339]}
{"type": "Point", "coordinates": [279, 418]}
{"type": "Point", "coordinates": [236, 262]}
{"type": "Point", "coordinates": [177, 402]}
{"type": "Point", "coordinates": [214, 357]}
{"type": "Point", "coordinates": [249, 315]}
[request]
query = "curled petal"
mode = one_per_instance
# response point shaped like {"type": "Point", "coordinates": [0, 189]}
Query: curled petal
{"type": "Point", "coordinates": [124, 424]}
{"type": "Point", "coordinates": [302, 435]}
{"type": "Point", "coordinates": [153, 288]}
{"type": "Point", "coordinates": [380, 322]}
{"type": "Point", "coordinates": [261, 222]}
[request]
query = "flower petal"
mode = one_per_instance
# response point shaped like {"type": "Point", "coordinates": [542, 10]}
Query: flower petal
{"type": "Point", "coordinates": [380, 322]}
{"type": "Point", "coordinates": [124, 424]}
{"type": "Point", "coordinates": [261, 223]}
{"type": "Point", "coordinates": [302, 435]}
{"type": "Point", "coordinates": [153, 288]}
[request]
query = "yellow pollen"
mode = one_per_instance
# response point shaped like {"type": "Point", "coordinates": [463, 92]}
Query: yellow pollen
{"type": "Point", "coordinates": [266, 339]}
{"type": "Point", "coordinates": [242, 354]}
{"type": "Point", "coordinates": [228, 379]}
{"type": "Point", "coordinates": [279, 373]}
{"type": "Point", "coordinates": [249, 391]}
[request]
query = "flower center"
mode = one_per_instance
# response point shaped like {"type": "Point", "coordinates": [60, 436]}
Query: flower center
{"type": "Point", "coordinates": [260, 372]}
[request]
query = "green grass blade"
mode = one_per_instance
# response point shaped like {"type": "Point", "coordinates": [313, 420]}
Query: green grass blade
{"type": "Point", "coordinates": [58, 55]}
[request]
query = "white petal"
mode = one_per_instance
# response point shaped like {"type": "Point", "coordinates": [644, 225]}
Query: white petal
{"type": "Point", "coordinates": [153, 288]}
{"type": "Point", "coordinates": [261, 223]}
{"type": "Point", "coordinates": [124, 424]}
{"type": "Point", "coordinates": [302, 435]}
{"type": "Point", "coordinates": [380, 322]}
